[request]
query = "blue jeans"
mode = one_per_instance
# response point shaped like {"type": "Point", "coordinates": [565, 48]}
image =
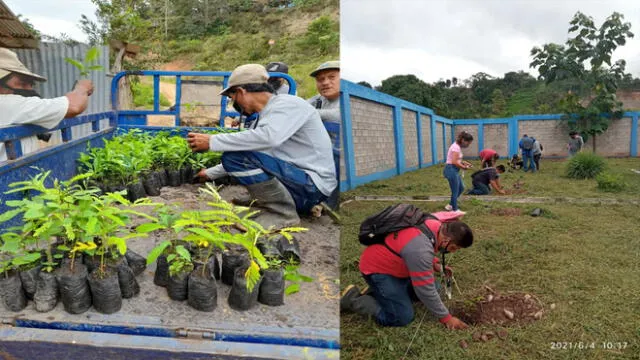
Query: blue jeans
{"type": "Point", "coordinates": [252, 167]}
{"type": "Point", "coordinates": [394, 298]}
{"type": "Point", "coordinates": [452, 174]}
{"type": "Point", "coordinates": [479, 189]}
{"type": "Point", "coordinates": [528, 163]}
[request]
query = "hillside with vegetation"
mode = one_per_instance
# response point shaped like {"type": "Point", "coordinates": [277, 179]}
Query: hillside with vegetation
{"type": "Point", "coordinates": [484, 96]}
{"type": "Point", "coordinates": [218, 35]}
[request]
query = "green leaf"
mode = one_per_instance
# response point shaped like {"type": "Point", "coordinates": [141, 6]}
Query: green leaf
{"type": "Point", "coordinates": [91, 225]}
{"type": "Point", "coordinates": [96, 68]}
{"type": "Point", "coordinates": [149, 227]}
{"type": "Point", "coordinates": [183, 252]}
{"type": "Point", "coordinates": [119, 243]}
{"type": "Point", "coordinates": [292, 289]}
{"type": "Point", "coordinates": [76, 63]}
{"type": "Point", "coordinates": [157, 251]}
{"type": "Point", "coordinates": [8, 215]}
{"type": "Point", "coordinates": [92, 55]}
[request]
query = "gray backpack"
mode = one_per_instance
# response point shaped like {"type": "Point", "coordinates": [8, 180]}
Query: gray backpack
{"type": "Point", "coordinates": [527, 143]}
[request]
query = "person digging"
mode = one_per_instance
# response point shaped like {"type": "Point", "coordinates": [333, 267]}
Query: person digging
{"type": "Point", "coordinates": [403, 268]}
{"type": "Point", "coordinates": [486, 179]}
{"type": "Point", "coordinates": [285, 161]}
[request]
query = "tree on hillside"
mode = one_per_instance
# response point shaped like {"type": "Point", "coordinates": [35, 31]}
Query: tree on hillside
{"type": "Point", "coordinates": [125, 20]}
{"type": "Point", "coordinates": [587, 58]}
{"type": "Point", "coordinates": [365, 84]}
{"type": "Point", "coordinates": [498, 103]}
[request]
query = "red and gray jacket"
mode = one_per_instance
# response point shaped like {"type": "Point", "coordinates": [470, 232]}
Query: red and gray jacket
{"type": "Point", "coordinates": [416, 260]}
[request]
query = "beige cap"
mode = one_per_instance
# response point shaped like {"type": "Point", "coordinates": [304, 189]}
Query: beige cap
{"type": "Point", "coordinates": [9, 63]}
{"type": "Point", "coordinates": [247, 74]}
{"type": "Point", "coordinates": [329, 65]}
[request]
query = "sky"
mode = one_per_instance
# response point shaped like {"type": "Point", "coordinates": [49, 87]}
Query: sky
{"type": "Point", "coordinates": [53, 17]}
{"type": "Point", "coordinates": [440, 39]}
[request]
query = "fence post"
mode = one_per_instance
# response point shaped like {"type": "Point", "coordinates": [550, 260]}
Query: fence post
{"type": "Point", "coordinates": [347, 138]}
{"type": "Point", "coordinates": [444, 141]}
{"type": "Point", "coordinates": [399, 139]}
{"type": "Point", "coordinates": [419, 137]}
{"type": "Point", "coordinates": [480, 136]}
{"type": "Point", "coordinates": [634, 135]}
{"type": "Point", "coordinates": [156, 94]}
{"type": "Point", "coordinates": [178, 97]}
{"type": "Point", "coordinates": [434, 147]}
{"type": "Point", "coordinates": [513, 136]}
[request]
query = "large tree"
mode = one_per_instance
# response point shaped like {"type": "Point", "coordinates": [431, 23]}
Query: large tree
{"type": "Point", "coordinates": [587, 57]}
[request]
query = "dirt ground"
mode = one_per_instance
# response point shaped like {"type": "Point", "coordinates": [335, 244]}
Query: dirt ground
{"type": "Point", "coordinates": [500, 309]}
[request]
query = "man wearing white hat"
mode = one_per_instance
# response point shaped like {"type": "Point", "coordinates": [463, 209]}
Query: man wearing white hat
{"type": "Point", "coordinates": [327, 102]}
{"type": "Point", "coordinates": [20, 104]}
{"type": "Point", "coordinates": [285, 160]}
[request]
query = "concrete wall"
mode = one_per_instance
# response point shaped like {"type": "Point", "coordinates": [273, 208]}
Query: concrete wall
{"type": "Point", "coordinates": [448, 138]}
{"type": "Point", "coordinates": [472, 150]}
{"type": "Point", "coordinates": [552, 134]}
{"type": "Point", "coordinates": [427, 157]}
{"type": "Point", "coordinates": [373, 142]}
{"type": "Point", "coordinates": [440, 151]}
{"type": "Point", "coordinates": [496, 137]}
{"type": "Point", "coordinates": [410, 133]}
{"type": "Point", "coordinates": [615, 141]}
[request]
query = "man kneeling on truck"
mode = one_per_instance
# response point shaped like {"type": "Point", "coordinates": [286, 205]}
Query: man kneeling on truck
{"type": "Point", "coordinates": [285, 160]}
{"type": "Point", "coordinates": [402, 268]}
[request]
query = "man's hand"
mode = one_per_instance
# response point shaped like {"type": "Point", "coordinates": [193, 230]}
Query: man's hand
{"type": "Point", "coordinates": [201, 177]}
{"type": "Point", "coordinates": [235, 122]}
{"type": "Point", "coordinates": [447, 269]}
{"type": "Point", "coordinates": [84, 85]}
{"type": "Point", "coordinates": [455, 324]}
{"type": "Point", "coordinates": [198, 142]}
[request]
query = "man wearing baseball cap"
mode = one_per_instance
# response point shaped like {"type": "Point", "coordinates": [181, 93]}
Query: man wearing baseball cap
{"type": "Point", "coordinates": [285, 160]}
{"type": "Point", "coordinates": [327, 102]}
{"type": "Point", "coordinates": [280, 85]}
{"type": "Point", "coordinates": [20, 104]}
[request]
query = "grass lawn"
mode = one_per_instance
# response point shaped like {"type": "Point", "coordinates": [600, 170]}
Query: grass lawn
{"type": "Point", "coordinates": [550, 181]}
{"type": "Point", "coordinates": [585, 259]}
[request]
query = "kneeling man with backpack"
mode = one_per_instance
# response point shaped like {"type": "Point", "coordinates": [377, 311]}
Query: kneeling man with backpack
{"type": "Point", "coordinates": [399, 264]}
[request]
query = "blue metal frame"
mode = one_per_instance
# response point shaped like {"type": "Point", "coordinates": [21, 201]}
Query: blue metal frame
{"type": "Point", "coordinates": [349, 89]}
{"type": "Point", "coordinates": [139, 117]}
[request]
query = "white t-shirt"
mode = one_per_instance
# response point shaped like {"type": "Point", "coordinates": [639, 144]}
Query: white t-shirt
{"type": "Point", "coordinates": [20, 110]}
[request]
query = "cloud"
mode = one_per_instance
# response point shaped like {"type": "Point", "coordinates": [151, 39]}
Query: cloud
{"type": "Point", "coordinates": [458, 37]}
{"type": "Point", "coordinates": [54, 17]}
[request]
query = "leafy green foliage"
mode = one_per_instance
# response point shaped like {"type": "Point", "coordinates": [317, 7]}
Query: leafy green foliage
{"type": "Point", "coordinates": [609, 182]}
{"type": "Point", "coordinates": [593, 46]}
{"type": "Point", "coordinates": [180, 261]}
{"type": "Point", "coordinates": [143, 95]}
{"type": "Point", "coordinates": [585, 165]}
{"type": "Point", "coordinates": [90, 58]}
{"type": "Point", "coordinates": [292, 275]}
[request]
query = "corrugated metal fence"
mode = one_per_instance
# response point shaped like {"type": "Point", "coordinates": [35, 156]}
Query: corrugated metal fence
{"type": "Point", "coordinates": [49, 62]}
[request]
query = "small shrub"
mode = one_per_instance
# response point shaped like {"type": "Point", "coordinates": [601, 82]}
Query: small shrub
{"type": "Point", "coordinates": [143, 95]}
{"type": "Point", "coordinates": [585, 165]}
{"type": "Point", "coordinates": [609, 182]}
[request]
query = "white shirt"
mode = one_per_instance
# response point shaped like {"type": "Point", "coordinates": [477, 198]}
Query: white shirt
{"type": "Point", "coordinates": [289, 129]}
{"type": "Point", "coordinates": [20, 110]}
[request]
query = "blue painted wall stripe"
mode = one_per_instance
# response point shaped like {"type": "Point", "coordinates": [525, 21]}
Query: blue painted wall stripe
{"type": "Point", "coordinates": [347, 140]}
{"type": "Point", "coordinates": [480, 137]}
{"type": "Point", "coordinates": [398, 136]}
{"type": "Point", "coordinates": [634, 135]}
{"type": "Point", "coordinates": [434, 147]}
{"type": "Point", "coordinates": [419, 139]}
